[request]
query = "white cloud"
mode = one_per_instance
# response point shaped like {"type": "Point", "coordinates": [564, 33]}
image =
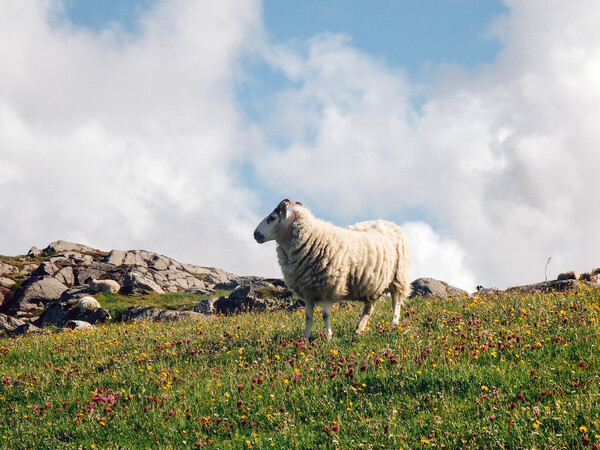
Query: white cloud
{"type": "Point", "coordinates": [435, 257]}
{"type": "Point", "coordinates": [502, 160]}
{"type": "Point", "coordinates": [123, 141]}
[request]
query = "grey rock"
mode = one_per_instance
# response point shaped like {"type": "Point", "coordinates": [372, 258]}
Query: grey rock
{"type": "Point", "coordinates": [430, 287]}
{"type": "Point", "coordinates": [570, 275]}
{"type": "Point", "coordinates": [34, 252]}
{"type": "Point", "coordinates": [143, 313]}
{"type": "Point", "coordinates": [33, 296]}
{"type": "Point", "coordinates": [206, 306]}
{"type": "Point", "coordinates": [46, 268]}
{"type": "Point", "coordinates": [72, 258]}
{"type": "Point", "coordinates": [65, 246]}
{"type": "Point", "coordinates": [546, 287]}
{"type": "Point", "coordinates": [158, 262]}
{"type": "Point", "coordinates": [169, 315]}
{"type": "Point", "coordinates": [9, 323]}
{"type": "Point", "coordinates": [139, 313]}
{"type": "Point", "coordinates": [136, 258]}
{"type": "Point", "coordinates": [59, 314]}
{"type": "Point", "coordinates": [6, 282]}
{"type": "Point", "coordinates": [136, 283]}
{"type": "Point", "coordinates": [7, 269]}
{"type": "Point", "coordinates": [56, 314]}
{"type": "Point", "coordinates": [66, 275]}
{"type": "Point", "coordinates": [28, 328]}
{"type": "Point", "coordinates": [115, 257]}
{"type": "Point", "coordinates": [73, 294]}
{"type": "Point", "coordinates": [99, 315]}
{"type": "Point", "coordinates": [95, 271]}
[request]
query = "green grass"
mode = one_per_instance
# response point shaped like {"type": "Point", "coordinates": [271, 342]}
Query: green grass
{"type": "Point", "coordinates": [512, 372]}
{"type": "Point", "coordinates": [116, 303]}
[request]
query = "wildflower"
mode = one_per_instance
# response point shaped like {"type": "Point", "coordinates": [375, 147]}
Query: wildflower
{"type": "Point", "coordinates": [583, 429]}
{"type": "Point", "coordinates": [485, 388]}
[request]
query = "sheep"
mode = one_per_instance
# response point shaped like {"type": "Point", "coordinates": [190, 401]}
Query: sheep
{"type": "Point", "coordinates": [104, 286]}
{"type": "Point", "coordinates": [323, 262]}
{"type": "Point", "coordinates": [88, 302]}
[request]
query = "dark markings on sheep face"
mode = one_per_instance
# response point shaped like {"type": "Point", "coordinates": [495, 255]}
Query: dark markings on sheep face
{"type": "Point", "coordinates": [259, 237]}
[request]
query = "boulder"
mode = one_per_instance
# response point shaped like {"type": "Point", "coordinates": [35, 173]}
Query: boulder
{"type": "Point", "coordinates": [45, 269]}
{"type": "Point", "coordinates": [99, 315]}
{"type": "Point", "coordinates": [9, 323]}
{"type": "Point", "coordinates": [7, 269]}
{"type": "Point", "coordinates": [66, 275]}
{"type": "Point", "coordinates": [570, 275]}
{"type": "Point", "coordinates": [206, 306]}
{"type": "Point", "coordinates": [546, 287]}
{"type": "Point", "coordinates": [34, 252]}
{"type": "Point", "coordinates": [65, 246]}
{"type": "Point", "coordinates": [94, 271]}
{"type": "Point", "coordinates": [59, 314]}
{"type": "Point", "coordinates": [6, 282]}
{"type": "Point", "coordinates": [143, 313]}
{"type": "Point", "coordinates": [430, 287]}
{"type": "Point", "coordinates": [33, 296]}
{"type": "Point", "coordinates": [135, 282]}
{"type": "Point", "coordinates": [28, 328]}
{"type": "Point", "coordinates": [115, 257]}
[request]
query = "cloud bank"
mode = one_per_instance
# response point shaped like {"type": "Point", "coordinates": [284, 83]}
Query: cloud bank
{"type": "Point", "coordinates": [141, 141]}
{"type": "Point", "coordinates": [501, 161]}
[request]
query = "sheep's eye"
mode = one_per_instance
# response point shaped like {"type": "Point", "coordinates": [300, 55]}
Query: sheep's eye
{"type": "Point", "coordinates": [270, 219]}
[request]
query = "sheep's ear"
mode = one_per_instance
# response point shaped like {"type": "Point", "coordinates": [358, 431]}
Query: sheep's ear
{"type": "Point", "coordinates": [282, 207]}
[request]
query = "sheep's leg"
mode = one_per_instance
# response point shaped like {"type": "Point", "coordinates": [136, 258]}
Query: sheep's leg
{"type": "Point", "coordinates": [397, 301]}
{"type": "Point", "coordinates": [309, 306]}
{"type": "Point", "coordinates": [327, 306]}
{"type": "Point", "coordinates": [366, 315]}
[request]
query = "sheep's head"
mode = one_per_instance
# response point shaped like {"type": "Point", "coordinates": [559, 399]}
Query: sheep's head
{"type": "Point", "coordinates": [272, 225]}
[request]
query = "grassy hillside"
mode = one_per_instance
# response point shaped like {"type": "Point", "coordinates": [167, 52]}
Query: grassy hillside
{"type": "Point", "coordinates": [512, 371]}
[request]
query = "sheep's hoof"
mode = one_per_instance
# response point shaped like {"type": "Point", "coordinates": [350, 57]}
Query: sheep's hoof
{"type": "Point", "coordinates": [394, 325]}
{"type": "Point", "coordinates": [359, 331]}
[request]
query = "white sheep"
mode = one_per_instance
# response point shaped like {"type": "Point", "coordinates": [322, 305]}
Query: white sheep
{"type": "Point", "coordinates": [88, 302]}
{"type": "Point", "coordinates": [322, 262]}
{"type": "Point", "coordinates": [104, 286]}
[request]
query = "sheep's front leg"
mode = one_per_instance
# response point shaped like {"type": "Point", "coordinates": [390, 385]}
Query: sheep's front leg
{"type": "Point", "coordinates": [397, 301]}
{"type": "Point", "coordinates": [309, 306]}
{"type": "Point", "coordinates": [366, 315]}
{"type": "Point", "coordinates": [327, 306]}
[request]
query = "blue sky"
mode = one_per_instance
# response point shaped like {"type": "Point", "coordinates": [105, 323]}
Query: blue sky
{"type": "Point", "coordinates": [411, 34]}
{"type": "Point", "coordinates": [176, 125]}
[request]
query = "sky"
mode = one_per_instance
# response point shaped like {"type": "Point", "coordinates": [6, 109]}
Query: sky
{"type": "Point", "coordinates": [174, 126]}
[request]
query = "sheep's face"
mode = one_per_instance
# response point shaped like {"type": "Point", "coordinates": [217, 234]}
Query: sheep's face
{"type": "Point", "coordinates": [271, 226]}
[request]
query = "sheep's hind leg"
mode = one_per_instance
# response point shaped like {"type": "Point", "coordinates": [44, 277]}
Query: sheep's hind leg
{"type": "Point", "coordinates": [366, 315]}
{"type": "Point", "coordinates": [309, 306]}
{"type": "Point", "coordinates": [327, 306]}
{"type": "Point", "coordinates": [397, 301]}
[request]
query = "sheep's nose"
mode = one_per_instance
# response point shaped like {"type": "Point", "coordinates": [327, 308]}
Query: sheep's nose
{"type": "Point", "coordinates": [259, 237]}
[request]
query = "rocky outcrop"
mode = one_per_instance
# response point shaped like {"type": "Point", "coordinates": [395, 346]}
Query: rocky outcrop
{"type": "Point", "coordinates": [68, 268]}
{"type": "Point", "coordinates": [546, 287]}
{"type": "Point", "coordinates": [59, 314]}
{"type": "Point", "coordinates": [143, 313]}
{"type": "Point", "coordinates": [430, 287]}
{"type": "Point", "coordinates": [8, 323]}
{"type": "Point", "coordinates": [33, 296]}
